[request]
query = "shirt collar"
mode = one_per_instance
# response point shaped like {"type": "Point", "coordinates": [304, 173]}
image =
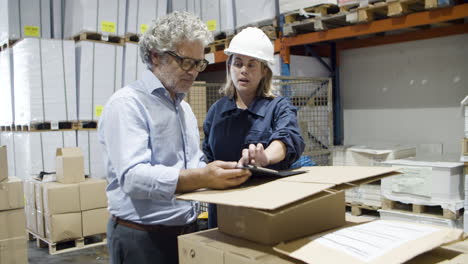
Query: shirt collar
{"type": "Point", "coordinates": [257, 107]}
{"type": "Point", "coordinates": [153, 86]}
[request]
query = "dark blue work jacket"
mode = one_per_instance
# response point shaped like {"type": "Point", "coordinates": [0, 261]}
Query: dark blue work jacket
{"type": "Point", "coordinates": [229, 129]}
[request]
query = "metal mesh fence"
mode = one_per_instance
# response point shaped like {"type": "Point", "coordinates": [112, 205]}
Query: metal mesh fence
{"type": "Point", "coordinates": [311, 96]}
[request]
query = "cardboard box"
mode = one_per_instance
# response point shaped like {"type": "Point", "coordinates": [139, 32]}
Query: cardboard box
{"type": "Point", "coordinates": [214, 247]}
{"type": "Point", "coordinates": [31, 219]}
{"type": "Point", "coordinates": [38, 191]}
{"type": "Point", "coordinates": [3, 163]}
{"type": "Point", "coordinates": [93, 194]}
{"type": "Point", "coordinates": [30, 193]}
{"type": "Point", "coordinates": [14, 251]}
{"type": "Point", "coordinates": [13, 224]}
{"type": "Point", "coordinates": [63, 227]}
{"type": "Point", "coordinates": [317, 213]}
{"type": "Point", "coordinates": [70, 165]}
{"type": "Point", "coordinates": [95, 221]}
{"type": "Point", "coordinates": [61, 198]}
{"type": "Point", "coordinates": [40, 224]}
{"type": "Point", "coordinates": [392, 242]}
{"type": "Point", "coordinates": [11, 194]}
{"type": "Point", "coordinates": [318, 189]}
{"type": "Point", "coordinates": [8, 140]}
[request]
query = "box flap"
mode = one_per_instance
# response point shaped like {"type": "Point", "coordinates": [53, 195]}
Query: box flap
{"type": "Point", "coordinates": [264, 195]}
{"type": "Point", "coordinates": [439, 164]}
{"type": "Point", "coordinates": [380, 241]}
{"type": "Point", "coordinates": [69, 152]}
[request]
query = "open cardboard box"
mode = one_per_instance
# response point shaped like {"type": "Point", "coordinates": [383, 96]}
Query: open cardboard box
{"type": "Point", "coordinates": [378, 242]}
{"type": "Point", "coordinates": [270, 212]}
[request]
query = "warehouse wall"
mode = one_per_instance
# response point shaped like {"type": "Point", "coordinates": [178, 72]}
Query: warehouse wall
{"type": "Point", "coordinates": [406, 92]}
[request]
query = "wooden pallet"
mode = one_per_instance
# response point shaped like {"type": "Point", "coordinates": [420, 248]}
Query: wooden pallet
{"type": "Point", "coordinates": [269, 27]}
{"type": "Point", "coordinates": [8, 44]}
{"type": "Point", "coordinates": [218, 45]}
{"type": "Point", "coordinates": [133, 38]}
{"type": "Point", "coordinates": [320, 11]}
{"type": "Point", "coordinates": [6, 128]}
{"type": "Point", "coordinates": [358, 208]}
{"type": "Point", "coordinates": [88, 124]}
{"type": "Point", "coordinates": [69, 245]}
{"type": "Point", "coordinates": [432, 210]}
{"type": "Point", "coordinates": [99, 37]}
{"type": "Point", "coordinates": [40, 126]}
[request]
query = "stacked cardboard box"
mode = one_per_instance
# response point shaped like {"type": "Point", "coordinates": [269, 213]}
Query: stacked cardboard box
{"type": "Point", "coordinates": [13, 246]}
{"type": "Point", "coordinates": [21, 19]}
{"type": "Point", "coordinates": [103, 16]}
{"type": "Point", "coordinates": [45, 81]}
{"type": "Point", "coordinates": [100, 74]}
{"type": "Point", "coordinates": [71, 208]}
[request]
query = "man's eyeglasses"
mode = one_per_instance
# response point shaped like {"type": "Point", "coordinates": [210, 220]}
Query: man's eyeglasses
{"type": "Point", "coordinates": [188, 63]}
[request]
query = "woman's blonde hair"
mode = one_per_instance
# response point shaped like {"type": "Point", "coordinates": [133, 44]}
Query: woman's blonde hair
{"type": "Point", "coordinates": [265, 87]}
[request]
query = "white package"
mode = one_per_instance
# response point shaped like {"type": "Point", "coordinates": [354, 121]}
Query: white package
{"type": "Point", "coordinates": [6, 88]}
{"type": "Point", "coordinates": [188, 6]}
{"type": "Point", "coordinates": [133, 66]}
{"type": "Point", "coordinates": [57, 12]}
{"type": "Point", "coordinates": [248, 12]}
{"type": "Point", "coordinates": [45, 81]}
{"type": "Point", "coordinates": [426, 183]}
{"type": "Point", "coordinates": [7, 139]}
{"type": "Point", "coordinates": [94, 163]}
{"type": "Point", "coordinates": [28, 154]}
{"type": "Point", "coordinates": [141, 13]}
{"type": "Point", "coordinates": [99, 75]}
{"type": "Point", "coordinates": [101, 16]}
{"type": "Point", "coordinates": [25, 18]}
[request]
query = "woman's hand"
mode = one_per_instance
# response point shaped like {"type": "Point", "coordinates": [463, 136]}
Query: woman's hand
{"type": "Point", "coordinates": [254, 155]}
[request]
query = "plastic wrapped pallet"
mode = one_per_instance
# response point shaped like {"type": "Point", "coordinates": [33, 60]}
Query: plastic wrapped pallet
{"type": "Point", "coordinates": [88, 142]}
{"type": "Point", "coordinates": [7, 139]}
{"type": "Point", "coordinates": [185, 5]}
{"type": "Point", "coordinates": [426, 183]}
{"type": "Point", "coordinates": [35, 151]}
{"type": "Point", "coordinates": [99, 75]}
{"type": "Point", "coordinates": [57, 11]}
{"type": "Point", "coordinates": [102, 16]}
{"type": "Point", "coordinates": [6, 88]}
{"type": "Point", "coordinates": [45, 81]}
{"type": "Point", "coordinates": [246, 12]}
{"type": "Point", "coordinates": [133, 66]}
{"type": "Point", "coordinates": [25, 18]}
{"type": "Point", "coordinates": [140, 14]}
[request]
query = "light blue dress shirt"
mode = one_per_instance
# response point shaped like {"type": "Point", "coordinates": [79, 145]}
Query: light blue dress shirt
{"type": "Point", "coordinates": [147, 138]}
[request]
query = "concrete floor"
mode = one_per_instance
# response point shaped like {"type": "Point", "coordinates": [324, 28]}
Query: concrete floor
{"type": "Point", "coordinates": [96, 255]}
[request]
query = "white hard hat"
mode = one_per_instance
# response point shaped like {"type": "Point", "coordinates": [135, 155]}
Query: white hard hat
{"type": "Point", "coordinates": [254, 43]}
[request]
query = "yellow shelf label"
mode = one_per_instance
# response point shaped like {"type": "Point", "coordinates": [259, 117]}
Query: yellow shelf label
{"type": "Point", "coordinates": [31, 31]}
{"type": "Point", "coordinates": [143, 28]}
{"type": "Point", "coordinates": [107, 26]}
{"type": "Point", "coordinates": [98, 110]}
{"type": "Point", "coordinates": [211, 24]}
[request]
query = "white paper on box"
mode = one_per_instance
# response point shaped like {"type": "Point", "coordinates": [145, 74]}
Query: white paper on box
{"type": "Point", "coordinates": [7, 139]}
{"type": "Point", "coordinates": [247, 12]}
{"type": "Point", "coordinates": [100, 74]}
{"type": "Point", "coordinates": [369, 241]}
{"type": "Point", "coordinates": [141, 13]}
{"type": "Point", "coordinates": [6, 87]}
{"type": "Point", "coordinates": [102, 16]}
{"type": "Point", "coordinates": [133, 66]}
{"type": "Point", "coordinates": [414, 180]}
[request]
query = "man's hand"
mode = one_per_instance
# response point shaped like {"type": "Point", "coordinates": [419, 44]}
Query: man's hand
{"type": "Point", "coordinates": [216, 175]}
{"type": "Point", "coordinates": [254, 155]}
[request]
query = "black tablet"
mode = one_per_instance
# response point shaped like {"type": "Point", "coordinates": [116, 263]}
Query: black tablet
{"type": "Point", "coordinates": [264, 172]}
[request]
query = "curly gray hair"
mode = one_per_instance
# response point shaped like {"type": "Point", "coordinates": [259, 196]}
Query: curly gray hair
{"type": "Point", "coordinates": [168, 31]}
